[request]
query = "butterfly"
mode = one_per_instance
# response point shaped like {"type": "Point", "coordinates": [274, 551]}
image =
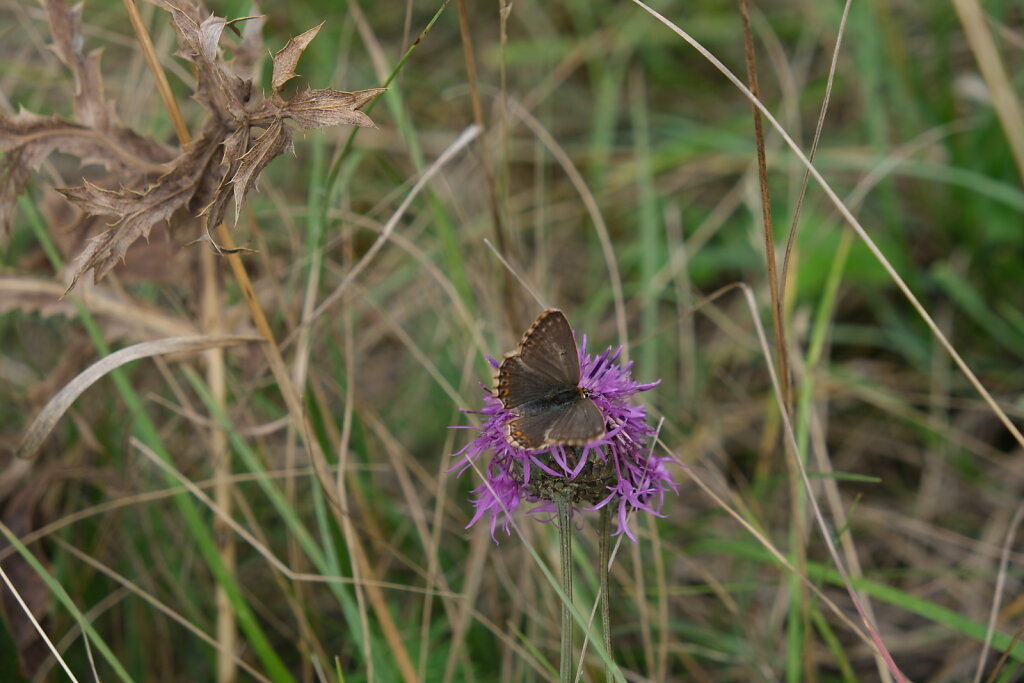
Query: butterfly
{"type": "Point", "coordinates": [539, 383]}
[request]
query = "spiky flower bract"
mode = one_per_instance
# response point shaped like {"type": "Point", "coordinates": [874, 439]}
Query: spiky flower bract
{"type": "Point", "coordinates": [617, 469]}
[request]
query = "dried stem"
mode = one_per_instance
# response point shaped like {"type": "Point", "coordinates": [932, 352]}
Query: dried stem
{"type": "Point", "coordinates": [769, 236]}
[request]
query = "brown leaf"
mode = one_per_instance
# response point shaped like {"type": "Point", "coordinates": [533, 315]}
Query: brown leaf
{"type": "Point", "coordinates": [36, 136]}
{"type": "Point", "coordinates": [223, 163]}
{"type": "Point", "coordinates": [275, 141]}
{"type": "Point", "coordinates": [137, 212]}
{"type": "Point", "coordinates": [327, 107]}
{"type": "Point", "coordinates": [91, 107]}
{"type": "Point", "coordinates": [288, 56]}
{"type": "Point", "coordinates": [27, 139]}
{"type": "Point", "coordinates": [213, 200]}
{"type": "Point", "coordinates": [222, 92]}
{"type": "Point", "coordinates": [98, 136]}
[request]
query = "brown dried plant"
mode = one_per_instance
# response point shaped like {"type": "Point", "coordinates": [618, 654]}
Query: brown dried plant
{"type": "Point", "coordinates": [160, 182]}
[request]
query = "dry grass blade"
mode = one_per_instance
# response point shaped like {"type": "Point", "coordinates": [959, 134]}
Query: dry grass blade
{"type": "Point", "coordinates": [1004, 561]}
{"type": "Point", "coordinates": [464, 139]}
{"type": "Point", "coordinates": [44, 298]}
{"type": "Point", "coordinates": [158, 606]}
{"type": "Point", "coordinates": [778, 321]}
{"type": "Point", "coordinates": [59, 404]}
{"type": "Point", "coordinates": [39, 629]}
{"type": "Point", "coordinates": [1001, 88]}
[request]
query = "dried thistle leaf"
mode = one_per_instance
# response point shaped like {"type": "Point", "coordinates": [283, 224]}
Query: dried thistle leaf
{"type": "Point", "coordinates": [327, 107]}
{"type": "Point", "coordinates": [27, 139]}
{"type": "Point", "coordinates": [35, 137]}
{"type": "Point", "coordinates": [234, 148]}
{"type": "Point", "coordinates": [136, 212]}
{"type": "Point", "coordinates": [218, 89]}
{"type": "Point", "coordinates": [223, 163]}
{"type": "Point", "coordinates": [275, 141]}
{"type": "Point", "coordinates": [288, 56]}
{"type": "Point", "coordinates": [91, 109]}
{"type": "Point", "coordinates": [98, 137]}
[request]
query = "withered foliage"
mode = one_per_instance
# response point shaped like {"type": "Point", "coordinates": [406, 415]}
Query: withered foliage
{"type": "Point", "coordinates": [244, 131]}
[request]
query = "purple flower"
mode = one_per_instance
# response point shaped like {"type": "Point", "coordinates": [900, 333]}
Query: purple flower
{"type": "Point", "coordinates": [617, 469]}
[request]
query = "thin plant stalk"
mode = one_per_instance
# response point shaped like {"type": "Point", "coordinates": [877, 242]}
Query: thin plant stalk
{"type": "Point", "coordinates": [604, 559]}
{"type": "Point", "coordinates": [565, 552]}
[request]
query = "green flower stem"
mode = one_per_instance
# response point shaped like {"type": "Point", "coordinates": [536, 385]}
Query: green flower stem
{"type": "Point", "coordinates": [604, 559]}
{"type": "Point", "coordinates": [565, 538]}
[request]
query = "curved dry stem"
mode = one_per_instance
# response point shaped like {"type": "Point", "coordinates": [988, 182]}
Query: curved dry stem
{"type": "Point", "coordinates": [59, 404]}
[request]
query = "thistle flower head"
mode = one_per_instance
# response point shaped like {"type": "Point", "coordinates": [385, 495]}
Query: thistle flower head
{"type": "Point", "coordinates": [617, 469]}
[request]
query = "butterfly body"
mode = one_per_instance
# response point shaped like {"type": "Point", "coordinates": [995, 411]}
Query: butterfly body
{"type": "Point", "coordinates": [539, 383]}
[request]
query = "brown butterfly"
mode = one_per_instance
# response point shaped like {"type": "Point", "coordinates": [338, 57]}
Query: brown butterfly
{"type": "Point", "coordinates": [539, 382]}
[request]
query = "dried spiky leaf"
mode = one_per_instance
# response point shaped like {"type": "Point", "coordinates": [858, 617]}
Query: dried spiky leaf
{"type": "Point", "coordinates": [92, 109]}
{"type": "Point", "coordinates": [288, 56]}
{"type": "Point", "coordinates": [326, 107]}
{"type": "Point", "coordinates": [35, 137]}
{"type": "Point", "coordinates": [223, 163]}
{"type": "Point", "coordinates": [96, 137]}
{"type": "Point", "coordinates": [21, 156]}
{"type": "Point", "coordinates": [220, 90]}
{"type": "Point", "coordinates": [215, 200]}
{"type": "Point", "coordinates": [27, 139]}
{"type": "Point", "coordinates": [136, 212]}
{"type": "Point", "coordinates": [276, 140]}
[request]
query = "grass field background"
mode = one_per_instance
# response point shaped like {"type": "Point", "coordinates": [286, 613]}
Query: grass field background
{"type": "Point", "coordinates": [616, 176]}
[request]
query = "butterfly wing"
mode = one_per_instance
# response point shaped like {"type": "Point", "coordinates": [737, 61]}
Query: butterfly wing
{"type": "Point", "coordinates": [545, 362]}
{"type": "Point", "coordinates": [575, 423]}
{"type": "Point", "coordinates": [581, 423]}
